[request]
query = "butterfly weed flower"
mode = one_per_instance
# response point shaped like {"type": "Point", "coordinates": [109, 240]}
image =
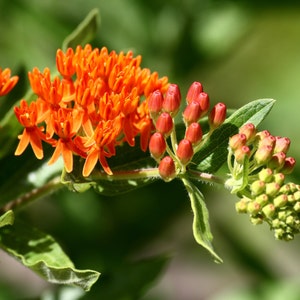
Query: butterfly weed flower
{"type": "Point", "coordinates": [7, 82]}
{"type": "Point", "coordinates": [98, 101]}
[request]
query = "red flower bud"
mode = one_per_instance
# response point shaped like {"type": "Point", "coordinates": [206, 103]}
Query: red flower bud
{"type": "Point", "coordinates": [172, 100]}
{"type": "Point", "coordinates": [241, 153]}
{"type": "Point", "coordinates": [185, 151]}
{"type": "Point", "coordinates": [282, 144]}
{"type": "Point", "coordinates": [249, 131]}
{"type": "Point", "coordinates": [194, 133]}
{"type": "Point", "coordinates": [203, 100]}
{"type": "Point", "coordinates": [155, 102]}
{"type": "Point", "coordinates": [164, 123]}
{"type": "Point", "coordinates": [157, 145]}
{"type": "Point", "coordinates": [288, 166]}
{"type": "Point", "coordinates": [263, 154]}
{"type": "Point", "coordinates": [218, 115]}
{"type": "Point", "coordinates": [192, 112]}
{"type": "Point", "coordinates": [238, 140]}
{"type": "Point", "coordinates": [194, 90]}
{"type": "Point", "coordinates": [167, 169]}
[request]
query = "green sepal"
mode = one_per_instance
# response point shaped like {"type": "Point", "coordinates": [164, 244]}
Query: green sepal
{"type": "Point", "coordinates": [84, 32]}
{"type": "Point", "coordinates": [213, 152]}
{"type": "Point", "coordinates": [201, 227]}
{"type": "Point", "coordinates": [42, 254]}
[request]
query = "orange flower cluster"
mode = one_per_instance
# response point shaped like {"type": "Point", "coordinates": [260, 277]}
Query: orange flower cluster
{"type": "Point", "coordinates": [98, 102]}
{"type": "Point", "coordinates": [7, 82]}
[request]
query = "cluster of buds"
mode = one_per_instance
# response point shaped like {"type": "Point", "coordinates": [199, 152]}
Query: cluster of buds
{"type": "Point", "coordinates": [173, 156]}
{"type": "Point", "coordinates": [258, 165]}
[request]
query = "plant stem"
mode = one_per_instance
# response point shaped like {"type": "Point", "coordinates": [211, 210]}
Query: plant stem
{"type": "Point", "coordinates": [32, 195]}
{"type": "Point", "coordinates": [201, 176]}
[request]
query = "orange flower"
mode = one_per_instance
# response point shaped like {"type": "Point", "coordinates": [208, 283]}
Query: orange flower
{"type": "Point", "coordinates": [7, 82]}
{"type": "Point", "coordinates": [98, 102]}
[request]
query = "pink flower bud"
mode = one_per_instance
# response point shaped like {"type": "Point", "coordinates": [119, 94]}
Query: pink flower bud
{"type": "Point", "coordinates": [218, 115]}
{"type": "Point", "coordinates": [238, 140]}
{"type": "Point", "coordinates": [172, 100]}
{"type": "Point", "coordinates": [269, 140]}
{"type": "Point", "coordinates": [164, 123]}
{"type": "Point", "coordinates": [249, 131]}
{"type": "Point", "coordinates": [203, 100]}
{"type": "Point", "coordinates": [277, 161]}
{"type": "Point", "coordinates": [262, 134]}
{"type": "Point", "coordinates": [185, 151]}
{"type": "Point", "coordinates": [263, 154]}
{"type": "Point", "coordinates": [155, 102]}
{"type": "Point", "coordinates": [167, 169]}
{"type": "Point", "coordinates": [194, 90]}
{"type": "Point", "coordinates": [241, 153]}
{"type": "Point", "coordinates": [288, 166]}
{"type": "Point", "coordinates": [194, 133]}
{"type": "Point", "coordinates": [282, 144]}
{"type": "Point", "coordinates": [157, 145]}
{"type": "Point", "coordinates": [192, 112]}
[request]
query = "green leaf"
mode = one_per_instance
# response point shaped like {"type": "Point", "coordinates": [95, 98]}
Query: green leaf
{"type": "Point", "coordinates": [41, 253]}
{"type": "Point", "coordinates": [213, 153]}
{"type": "Point", "coordinates": [127, 158]}
{"type": "Point", "coordinates": [84, 32]}
{"type": "Point", "coordinates": [7, 219]}
{"type": "Point", "coordinates": [201, 228]}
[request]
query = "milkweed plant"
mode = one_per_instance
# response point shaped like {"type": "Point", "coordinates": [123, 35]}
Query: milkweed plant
{"type": "Point", "coordinates": [95, 106]}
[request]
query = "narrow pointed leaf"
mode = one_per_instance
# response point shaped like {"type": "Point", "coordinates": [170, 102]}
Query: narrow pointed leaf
{"type": "Point", "coordinates": [41, 253]}
{"type": "Point", "coordinates": [84, 32]}
{"type": "Point", "coordinates": [213, 153]}
{"type": "Point", "coordinates": [201, 227]}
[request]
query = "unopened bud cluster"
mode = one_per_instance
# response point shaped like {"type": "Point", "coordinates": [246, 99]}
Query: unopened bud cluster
{"type": "Point", "coordinates": [173, 156]}
{"type": "Point", "coordinates": [258, 163]}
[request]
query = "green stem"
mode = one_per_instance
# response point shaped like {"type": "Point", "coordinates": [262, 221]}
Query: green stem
{"type": "Point", "coordinates": [201, 176]}
{"type": "Point", "coordinates": [32, 195]}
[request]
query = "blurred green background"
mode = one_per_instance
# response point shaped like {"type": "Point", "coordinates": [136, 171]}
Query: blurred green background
{"type": "Point", "coordinates": [142, 241]}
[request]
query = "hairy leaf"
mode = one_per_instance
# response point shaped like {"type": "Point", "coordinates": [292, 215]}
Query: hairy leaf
{"type": "Point", "coordinates": [201, 228]}
{"type": "Point", "coordinates": [43, 255]}
{"type": "Point", "coordinates": [213, 153]}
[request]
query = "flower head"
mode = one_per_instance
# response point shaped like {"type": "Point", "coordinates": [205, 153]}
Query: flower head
{"type": "Point", "coordinates": [98, 102]}
{"type": "Point", "coordinates": [7, 82]}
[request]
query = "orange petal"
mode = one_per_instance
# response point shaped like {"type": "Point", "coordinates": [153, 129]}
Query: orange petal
{"type": "Point", "coordinates": [67, 157]}
{"type": "Point", "coordinates": [90, 162]}
{"type": "Point", "coordinates": [24, 141]}
{"type": "Point", "coordinates": [56, 153]}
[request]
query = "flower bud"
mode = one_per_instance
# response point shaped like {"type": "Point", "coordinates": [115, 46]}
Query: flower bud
{"type": "Point", "coordinates": [171, 103]}
{"type": "Point", "coordinates": [279, 178]}
{"type": "Point", "coordinates": [253, 207]}
{"type": "Point", "coordinates": [269, 140]}
{"type": "Point", "coordinates": [280, 200]}
{"type": "Point", "coordinates": [272, 189]}
{"type": "Point", "coordinates": [249, 131]}
{"type": "Point", "coordinates": [266, 175]}
{"type": "Point", "coordinates": [194, 90]}
{"type": "Point", "coordinates": [192, 112]}
{"type": "Point", "coordinates": [262, 199]}
{"type": "Point", "coordinates": [185, 151]}
{"type": "Point", "coordinates": [241, 206]}
{"type": "Point", "coordinates": [241, 153]}
{"type": "Point", "coordinates": [297, 207]}
{"type": "Point", "coordinates": [263, 154]}
{"type": "Point", "coordinates": [269, 210]}
{"type": "Point", "coordinates": [167, 169]}
{"type": "Point", "coordinates": [262, 134]}
{"type": "Point", "coordinates": [155, 102]}
{"type": "Point", "coordinates": [257, 187]}
{"type": "Point", "coordinates": [277, 161]}
{"type": "Point", "coordinates": [157, 145]}
{"type": "Point", "coordinates": [257, 220]}
{"type": "Point", "coordinates": [288, 166]}
{"type": "Point", "coordinates": [237, 141]}
{"type": "Point", "coordinates": [203, 100]}
{"type": "Point", "coordinates": [217, 116]}
{"type": "Point", "coordinates": [297, 195]}
{"type": "Point", "coordinates": [164, 124]}
{"type": "Point", "coordinates": [194, 133]}
{"type": "Point", "coordinates": [282, 144]}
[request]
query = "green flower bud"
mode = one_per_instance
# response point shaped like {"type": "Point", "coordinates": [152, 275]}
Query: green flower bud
{"type": "Point", "coordinates": [272, 188]}
{"type": "Point", "coordinates": [263, 154]}
{"type": "Point", "coordinates": [262, 199]}
{"type": "Point", "coordinates": [279, 178]}
{"type": "Point", "coordinates": [257, 187]}
{"type": "Point", "coordinates": [266, 175]}
{"type": "Point", "coordinates": [241, 206]}
{"type": "Point", "coordinates": [269, 210]}
{"type": "Point", "coordinates": [297, 195]}
{"type": "Point", "coordinates": [253, 207]}
{"type": "Point", "coordinates": [257, 220]}
{"type": "Point", "coordinates": [280, 200]}
{"type": "Point", "coordinates": [285, 189]}
{"type": "Point", "coordinates": [291, 198]}
{"type": "Point", "coordinates": [297, 207]}
{"type": "Point", "coordinates": [276, 223]}
{"type": "Point", "coordinates": [279, 233]}
{"type": "Point", "coordinates": [282, 215]}
{"type": "Point", "coordinates": [290, 220]}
